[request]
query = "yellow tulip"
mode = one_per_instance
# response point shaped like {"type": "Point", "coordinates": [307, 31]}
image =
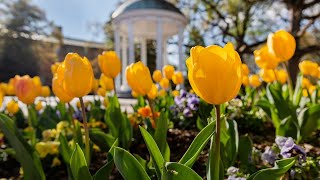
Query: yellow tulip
{"type": "Point", "coordinates": [309, 68]}
{"type": "Point", "coordinates": [254, 81]}
{"type": "Point", "coordinates": [38, 84]}
{"type": "Point", "coordinates": [78, 75]}
{"type": "Point", "coordinates": [109, 63]}
{"type": "Point", "coordinates": [245, 80]}
{"type": "Point", "coordinates": [12, 107]}
{"type": "Point", "coordinates": [152, 94]}
{"type": "Point", "coordinates": [54, 67]}
{"type": "Point", "coordinates": [168, 71]}
{"type": "Point", "coordinates": [1, 97]}
{"type": "Point", "coordinates": [177, 78]}
{"type": "Point", "coordinates": [139, 78]}
{"type": "Point", "coordinates": [305, 83]}
{"type": "Point", "coordinates": [95, 85]}
{"type": "Point", "coordinates": [164, 83]}
{"type": "Point", "coordinates": [55, 162]}
{"type": "Point", "coordinates": [106, 82]}
{"type": "Point", "coordinates": [264, 59]}
{"type": "Point", "coordinates": [57, 86]}
{"type": "Point", "coordinates": [175, 93]}
{"type": "Point", "coordinates": [26, 89]}
{"type": "Point", "coordinates": [39, 106]}
{"type": "Point", "coordinates": [267, 75]}
{"type": "Point", "coordinates": [43, 149]}
{"type": "Point", "coordinates": [309, 90]}
{"type": "Point", "coordinates": [157, 76]}
{"type": "Point", "coordinates": [319, 73]}
{"type": "Point", "coordinates": [4, 87]}
{"type": "Point", "coordinates": [281, 44]}
{"type": "Point", "coordinates": [282, 76]}
{"type": "Point", "coordinates": [245, 70]}
{"type": "Point", "coordinates": [45, 91]}
{"type": "Point", "coordinates": [215, 73]}
{"type": "Point", "coordinates": [10, 90]}
{"type": "Point", "coordinates": [101, 92]}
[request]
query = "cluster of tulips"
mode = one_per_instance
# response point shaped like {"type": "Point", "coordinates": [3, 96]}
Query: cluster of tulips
{"type": "Point", "coordinates": [216, 75]}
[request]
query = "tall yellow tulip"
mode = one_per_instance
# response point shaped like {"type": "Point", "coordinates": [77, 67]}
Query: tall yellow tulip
{"type": "Point", "coordinates": [153, 93]}
{"type": "Point", "coordinates": [264, 59]}
{"type": "Point", "coordinates": [168, 71]}
{"type": "Point", "coordinates": [57, 86]}
{"type": "Point", "coordinates": [54, 67]}
{"type": "Point", "coordinates": [282, 76]}
{"type": "Point", "coordinates": [309, 68]}
{"type": "Point", "coordinates": [26, 89]}
{"type": "Point", "coordinates": [139, 78]}
{"type": "Point", "coordinates": [109, 63]}
{"type": "Point", "coordinates": [38, 84]}
{"type": "Point", "coordinates": [177, 78]}
{"type": "Point", "coordinates": [215, 73]}
{"type": "Point", "coordinates": [78, 75]}
{"type": "Point", "coordinates": [165, 83]}
{"type": "Point", "coordinates": [254, 81]}
{"type": "Point", "coordinates": [282, 44]}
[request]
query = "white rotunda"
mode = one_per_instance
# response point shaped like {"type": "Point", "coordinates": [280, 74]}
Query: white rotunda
{"type": "Point", "coordinates": [136, 21]}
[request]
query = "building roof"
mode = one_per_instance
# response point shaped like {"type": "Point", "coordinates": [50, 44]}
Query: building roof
{"type": "Point", "coordinates": [131, 5]}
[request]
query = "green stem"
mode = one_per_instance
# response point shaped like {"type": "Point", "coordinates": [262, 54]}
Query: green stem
{"type": "Point", "coordinates": [86, 132]}
{"type": "Point", "coordinates": [32, 131]}
{"type": "Point", "coordinates": [216, 155]}
{"type": "Point", "coordinates": [72, 121]}
{"type": "Point", "coordinates": [114, 86]}
{"type": "Point", "coordinates": [152, 108]}
{"type": "Point", "coordinates": [289, 80]}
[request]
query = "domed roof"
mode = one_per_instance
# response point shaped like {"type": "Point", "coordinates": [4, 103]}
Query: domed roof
{"type": "Point", "coordinates": [131, 5]}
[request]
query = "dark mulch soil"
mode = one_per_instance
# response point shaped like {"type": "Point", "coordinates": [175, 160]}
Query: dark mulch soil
{"type": "Point", "coordinates": [178, 140]}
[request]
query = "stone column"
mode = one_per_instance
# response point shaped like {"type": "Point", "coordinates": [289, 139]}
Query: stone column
{"type": "Point", "coordinates": [124, 60]}
{"type": "Point", "coordinates": [117, 49]}
{"type": "Point", "coordinates": [159, 45]}
{"type": "Point", "coordinates": [180, 50]}
{"type": "Point", "coordinates": [143, 55]}
{"type": "Point", "coordinates": [131, 42]}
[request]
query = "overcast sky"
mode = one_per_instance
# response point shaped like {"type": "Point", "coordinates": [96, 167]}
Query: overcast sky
{"type": "Point", "coordinates": [75, 16]}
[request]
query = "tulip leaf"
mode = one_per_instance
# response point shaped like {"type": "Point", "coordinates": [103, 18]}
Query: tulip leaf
{"type": "Point", "coordinates": [103, 140]}
{"type": "Point", "coordinates": [245, 149]}
{"type": "Point", "coordinates": [197, 145]}
{"type": "Point", "coordinates": [78, 164]}
{"type": "Point", "coordinates": [229, 142]}
{"type": "Point", "coordinates": [160, 135]}
{"type": "Point", "coordinates": [154, 151]}
{"type": "Point", "coordinates": [24, 153]}
{"type": "Point", "coordinates": [297, 91]}
{"type": "Point", "coordinates": [64, 149]}
{"type": "Point", "coordinates": [128, 166]}
{"type": "Point", "coordinates": [309, 120]}
{"type": "Point", "coordinates": [275, 173]}
{"type": "Point", "coordinates": [177, 171]}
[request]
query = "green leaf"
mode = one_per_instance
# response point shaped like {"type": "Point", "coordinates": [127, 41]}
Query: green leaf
{"type": "Point", "coordinates": [205, 110]}
{"type": "Point", "coordinates": [160, 135]}
{"type": "Point", "coordinates": [64, 149]}
{"type": "Point", "coordinates": [105, 171]}
{"type": "Point", "coordinates": [309, 120]}
{"type": "Point", "coordinates": [197, 145]}
{"type": "Point", "coordinates": [78, 165]}
{"type": "Point", "coordinates": [245, 149]}
{"type": "Point", "coordinates": [103, 140]}
{"type": "Point", "coordinates": [128, 165]}
{"type": "Point", "coordinates": [154, 151]}
{"type": "Point", "coordinates": [177, 171]}
{"type": "Point", "coordinates": [25, 154]}
{"type": "Point", "coordinates": [78, 137]}
{"type": "Point", "coordinates": [275, 173]}
{"type": "Point", "coordinates": [297, 91]}
{"type": "Point", "coordinates": [229, 142]}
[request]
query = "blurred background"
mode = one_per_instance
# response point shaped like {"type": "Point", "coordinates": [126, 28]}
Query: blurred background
{"type": "Point", "coordinates": [36, 33]}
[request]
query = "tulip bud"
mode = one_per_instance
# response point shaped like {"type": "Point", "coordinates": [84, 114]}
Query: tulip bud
{"type": "Point", "coordinates": [139, 78]}
{"type": "Point", "coordinates": [282, 76]}
{"type": "Point", "coordinates": [245, 80]}
{"type": "Point", "coordinates": [305, 83]}
{"type": "Point", "coordinates": [254, 81]}
{"type": "Point", "coordinates": [168, 71]}
{"type": "Point", "coordinates": [26, 89]}
{"type": "Point", "coordinates": [109, 63]}
{"type": "Point", "coordinates": [245, 70]}
{"type": "Point", "coordinates": [152, 94]}
{"type": "Point", "coordinates": [164, 83]}
{"type": "Point", "coordinates": [45, 91]}
{"type": "Point", "coordinates": [264, 59]}
{"type": "Point", "coordinates": [177, 78]}
{"type": "Point", "coordinates": [106, 82]}
{"type": "Point", "coordinates": [12, 107]}
{"type": "Point", "coordinates": [215, 73]}
{"type": "Point", "coordinates": [157, 76]}
{"type": "Point", "coordinates": [78, 75]}
{"type": "Point", "coordinates": [309, 68]}
{"type": "Point", "coordinates": [267, 75]}
{"type": "Point", "coordinates": [281, 44]}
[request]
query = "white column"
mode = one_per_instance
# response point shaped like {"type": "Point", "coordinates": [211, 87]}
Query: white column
{"type": "Point", "coordinates": [159, 45]}
{"type": "Point", "coordinates": [117, 49]}
{"type": "Point", "coordinates": [180, 50]}
{"type": "Point", "coordinates": [165, 52]}
{"type": "Point", "coordinates": [124, 60]}
{"type": "Point", "coordinates": [143, 55]}
{"type": "Point", "coordinates": [131, 42]}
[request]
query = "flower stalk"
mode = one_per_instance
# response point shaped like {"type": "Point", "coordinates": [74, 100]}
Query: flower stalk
{"type": "Point", "coordinates": [216, 155]}
{"type": "Point", "coordinates": [86, 131]}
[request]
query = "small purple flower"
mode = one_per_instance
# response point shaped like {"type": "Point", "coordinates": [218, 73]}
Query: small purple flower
{"type": "Point", "coordinates": [232, 170]}
{"type": "Point", "coordinates": [234, 177]}
{"type": "Point", "coordinates": [183, 93]}
{"type": "Point", "coordinates": [289, 148]}
{"type": "Point", "coordinates": [280, 141]}
{"type": "Point", "coordinates": [269, 155]}
{"type": "Point", "coordinates": [193, 103]}
{"type": "Point", "coordinates": [187, 112]}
